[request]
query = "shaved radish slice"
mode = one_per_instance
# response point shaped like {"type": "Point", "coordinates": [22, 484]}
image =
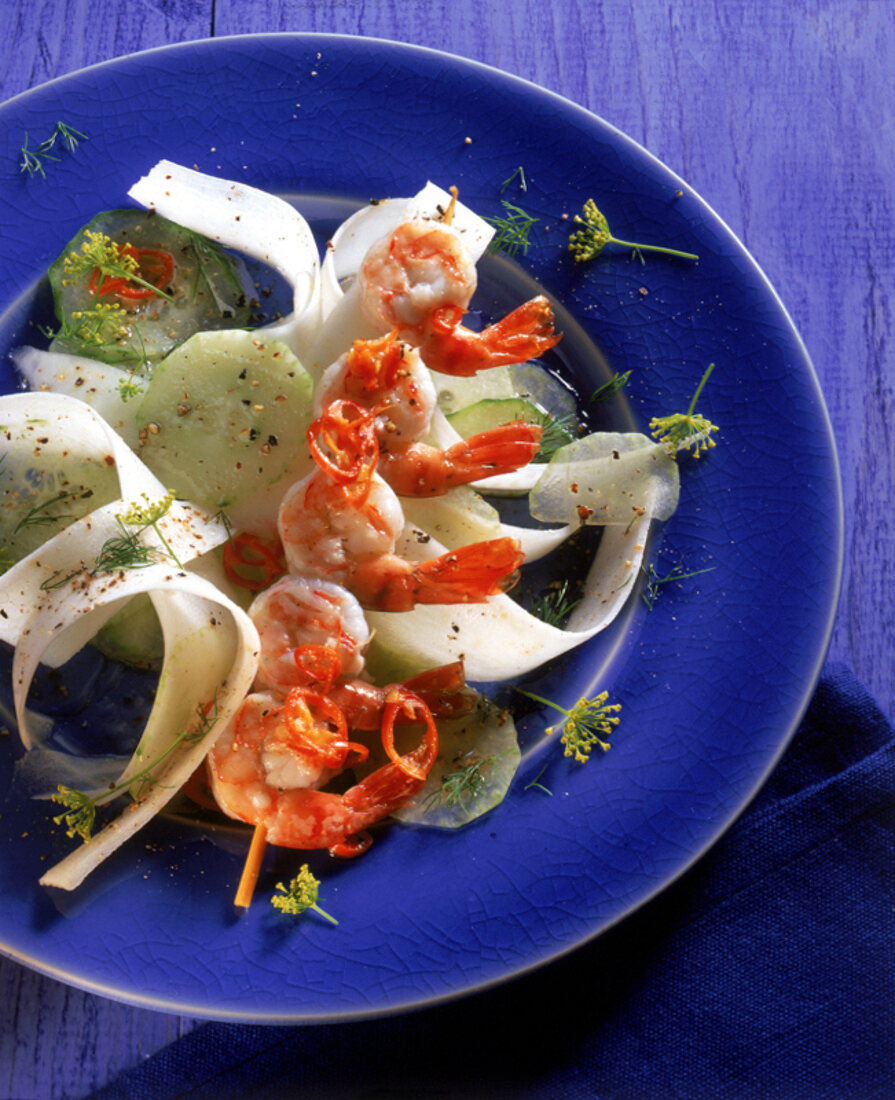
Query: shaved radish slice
{"type": "Point", "coordinates": [97, 384]}
{"type": "Point", "coordinates": [500, 640]}
{"type": "Point", "coordinates": [259, 224]}
{"type": "Point", "coordinates": [607, 478]}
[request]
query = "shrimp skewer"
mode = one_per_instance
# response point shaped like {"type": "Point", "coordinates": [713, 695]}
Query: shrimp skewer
{"type": "Point", "coordinates": [420, 280]}
{"type": "Point", "coordinates": [342, 523]}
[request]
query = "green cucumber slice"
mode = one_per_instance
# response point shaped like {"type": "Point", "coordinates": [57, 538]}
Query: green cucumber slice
{"type": "Point", "coordinates": [208, 288]}
{"type": "Point", "coordinates": [133, 635]}
{"type": "Point", "coordinates": [224, 416]}
{"type": "Point", "coordinates": [47, 482]}
{"type": "Point", "coordinates": [544, 390]}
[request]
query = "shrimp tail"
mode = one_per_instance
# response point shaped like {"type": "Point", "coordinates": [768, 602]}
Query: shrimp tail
{"type": "Point", "coordinates": [395, 783]}
{"type": "Point", "coordinates": [523, 334]}
{"type": "Point", "coordinates": [443, 689]}
{"type": "Point", "coordinates": [416, 469]}
{"type": "Point", "coordinates": [469, 574]}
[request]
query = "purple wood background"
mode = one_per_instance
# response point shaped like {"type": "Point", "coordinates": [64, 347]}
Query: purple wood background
{"type": "Point", "coordinates": [780, 113]}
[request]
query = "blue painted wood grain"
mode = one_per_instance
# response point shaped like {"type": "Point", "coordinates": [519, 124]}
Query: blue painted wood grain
{"type": "Point", "coordinates": [780, 114]}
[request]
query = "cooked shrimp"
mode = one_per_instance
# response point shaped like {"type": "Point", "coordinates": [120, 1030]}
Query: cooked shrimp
{"type": "Point", "coordinates": [274, 744]}
{"type": "Point", "coordinates": [342, 523]}
{"type": "Point", "coordinates": [292, 812]}
{"type": "Point", "coordinates": [416, 469]}
{"type": "Point", "coordinates": [313, 634]}
{"type": "Point", "coordinates": [387, 378]}
{"type": "Point", "coordinates": [298, 616]}
{"type": "Point", "coordinates": [419, 282]}
{"type": "Point", "coordinates": [420, 267]}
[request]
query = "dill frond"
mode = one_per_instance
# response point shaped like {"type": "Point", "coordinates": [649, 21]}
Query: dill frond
{"type": "Point", "coordinates": [301, 894]}
{"type": "Point", "coordinates": [681, 431]}
{"type": "Point", "coordinates": [589, 241]}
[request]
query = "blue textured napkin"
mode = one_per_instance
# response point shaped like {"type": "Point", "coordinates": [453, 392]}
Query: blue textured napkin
{"type": "Point", "coordinates": [765, 973]}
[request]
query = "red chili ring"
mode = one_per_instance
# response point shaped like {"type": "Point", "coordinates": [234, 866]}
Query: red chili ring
{"type": "Point", "coordinates": [401, 699]}
{"type": "Point", "coordinates": [268, 558]}
{"type": "Point", "coordinates": [121, 287]}
{"type": "Point", "coordinates": [332, 754]}
{"type": "Point", "coordinates": [321, 664]}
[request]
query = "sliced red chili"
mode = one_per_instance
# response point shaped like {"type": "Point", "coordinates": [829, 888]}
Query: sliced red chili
{"type": "Point", "coordinates": [399, 701]}
{"type": "Point", "coordinates": [319, 664]}
{"type": "Point", "coordinates": [374, 365]}
{"type": "Point", "coordinates": [316, 727]}
{"type": "Point", "coordinates": [154, 265]}
{"type": "Point", "coordinates": [252, 562]}
{"type": "Point", "coordinates": [343, 443]}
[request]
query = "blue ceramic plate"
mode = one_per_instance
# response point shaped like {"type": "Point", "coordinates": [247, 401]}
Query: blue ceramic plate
{"type": "Point", "coordinates": [713, 679]}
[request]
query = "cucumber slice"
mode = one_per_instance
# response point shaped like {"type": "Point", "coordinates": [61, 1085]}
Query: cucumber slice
{"type": "Point", "coordinates": [477, 758]}
{"type": "Point", "coordinates": [133, 635]}
{"type": "Point", "coordinates": [491, 413]}
{"type": "Point", "coordinates": [456, 393]}
{"type": "Point", "coordinates": [207, 287]}
{"type": "Point", "coordinates": [544, 390]}
{"type": "Point", "coordinates": [49, 477]}
{"type": "Point", "coordinates": [224, 416]}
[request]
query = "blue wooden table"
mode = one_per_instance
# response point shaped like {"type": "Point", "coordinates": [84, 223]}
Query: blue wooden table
{"type": "Point", "coordinates": [780, 114]}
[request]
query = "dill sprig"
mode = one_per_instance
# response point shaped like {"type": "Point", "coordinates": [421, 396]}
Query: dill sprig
{"type": "Point", "coordinates": [126, 550]}
{"type": "Point", "coordinates": [32, 161]}
{"type": "Point", "coordinates": [465, 784]}
{"type": "Point", "coordinates": [38, 515]}
{"type": "Point", "coordinates": [556, 605]}
{"type": "Point", "coordinates": [513, 230]}
{"type": "Point", "coordinates": [105, 324]}
{"type": "Point", "coordinates": [129, 387]}
{"type": "Point", "coordinates": [301, 894]}
{"type": "Point", "coordinates": [680, 431]}
{"type": "Point", "coordinates": [79, 817]}
{"type": "Point", "coordinates": [81, 814]}
{"type": "Point", "coordinates": [652, 586]}
{"type": "Point", "coordinates": [556, 432]}
{"type": "Point", "coordinates": [100, 253]}
{"type": "Point", "coordinates": [143, 516]}
{"type": "Point", "coordinates": [520, 172]}
{"type": "Point", "coordinates": [609, 389]}
{"type": "Point", "coordinates": [70, 136]}
{"type": "Point", "coordinates": [205, 257]}
{"type": "Point", "coordinates": [584, 723]}
{"type": "Point", "coordinates": [537, 785]}
{"type": "Point", "coordinates": [589, 241]}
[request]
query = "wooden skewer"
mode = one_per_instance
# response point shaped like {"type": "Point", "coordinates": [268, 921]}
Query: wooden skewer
{"type": "Point", "coordinates": [252, 868]}
{"type": "Point", "coordinates": [448, 216]}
